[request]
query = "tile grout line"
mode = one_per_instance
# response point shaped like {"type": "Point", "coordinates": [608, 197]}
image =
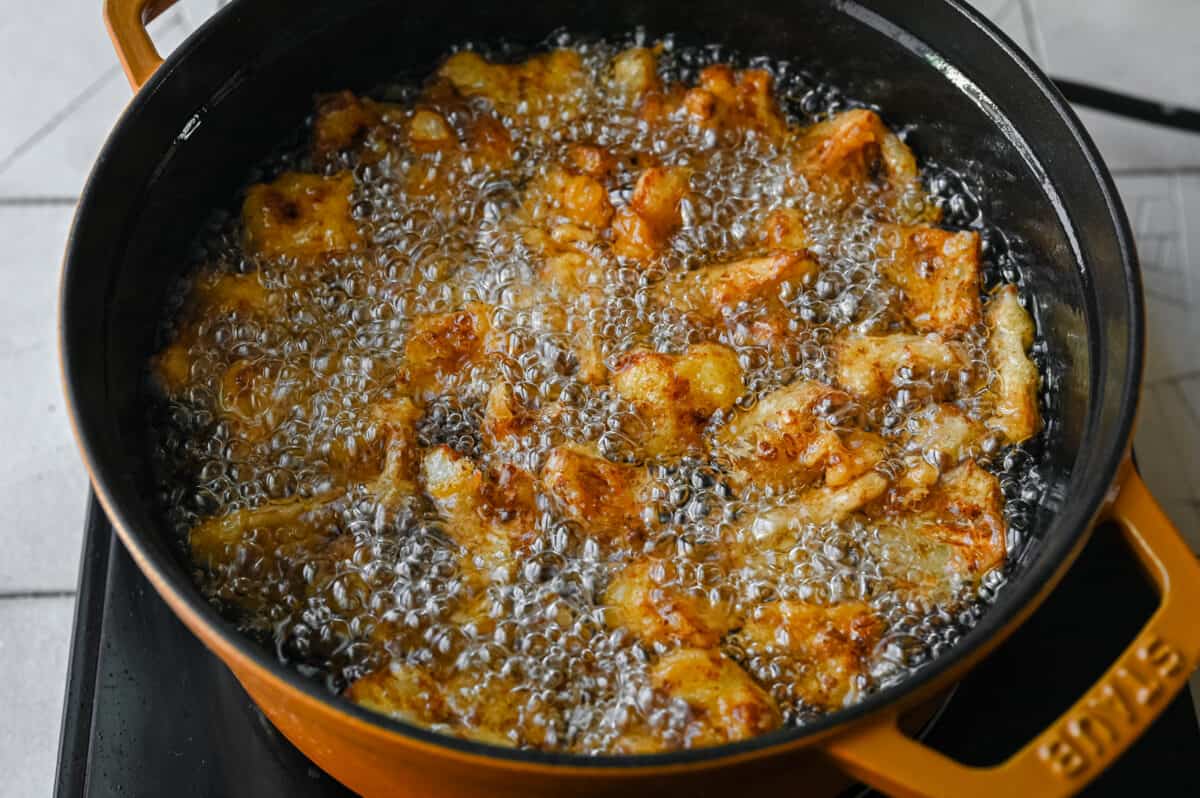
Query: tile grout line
{"type": "Point", "coordinates": [57, 118]}
{"type": "Point", "coordinates": [26, 595]}
{"type": "Point", "coordinates": [34, 202]}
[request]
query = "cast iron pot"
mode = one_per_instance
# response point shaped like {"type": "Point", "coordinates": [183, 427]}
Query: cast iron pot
{"type": "Point", "coordinates": [243, 81]}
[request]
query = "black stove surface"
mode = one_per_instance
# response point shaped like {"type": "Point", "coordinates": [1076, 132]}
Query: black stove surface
{"type": "Point", "coordinates": [149, 710]}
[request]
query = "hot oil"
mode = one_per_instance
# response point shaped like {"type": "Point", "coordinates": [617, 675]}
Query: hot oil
{"type": "Point", "coordinates": [389, 589]}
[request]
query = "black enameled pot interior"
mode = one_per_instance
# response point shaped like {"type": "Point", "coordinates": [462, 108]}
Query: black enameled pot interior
{"type": "Point", "coordinates": [246, 80]}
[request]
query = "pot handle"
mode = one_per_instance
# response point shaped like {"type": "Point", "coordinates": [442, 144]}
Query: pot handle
{"type": "Point", "coordinates": [126, 22]}
{"type": "Point", "coordinates": [1098, 727]}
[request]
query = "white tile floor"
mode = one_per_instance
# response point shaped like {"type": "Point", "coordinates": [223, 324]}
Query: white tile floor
{"type": "Point", "coordinates": [62, 101]}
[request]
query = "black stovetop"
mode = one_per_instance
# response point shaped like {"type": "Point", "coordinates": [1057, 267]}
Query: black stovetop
{"type": "Point", "coordinates": [149, 711]}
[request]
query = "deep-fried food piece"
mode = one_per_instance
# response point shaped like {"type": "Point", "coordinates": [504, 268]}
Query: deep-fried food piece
{"type": "Point", "coordinates": [443, 344]}
{"type": "Point", "coordinates": [389, 456]}
{"type": "Point", "coordinates": [489, 514]}
{"type": "Point", "coordinates": [589, 351]}
{"type": "Point", "coordinates": [450, 139]}
{"type": "Point", "coordinates": [657, 195]}
{"type": "Point", "coordinates": [867, 365]}
{"type": "Point", "coordinates": [503, 416]}
{"type": "Point", "coordinates": [544, 82]}
{"type": "Point", "coordinates": [569, 267]}
{"type": "Point", "coordinates": [220, 293]}
{"type": "Point", "coordinates": [641, 230]}
{"type": "Point", "coordinates": [342, 122]}
{"type": "Point", "coordinates": [938, 271]}
{"type": "Point", "coordinates": [300, 216]}
{"type": "Point", "coordinates": [635, 73]}
{"type": "Point", "coordinates": [819, 506]}
{"type": "Point", "coordinates": [675, 395]}
{"type": "Point", "coordinates": [487, 142]}
{"type": "Point", "coordinates": [967, 510]}
{"type": "Point", "coordinates": [663, 614]}
{"type": "Point", "coordinates": [289, 529]}
{"type": "Point", "coordinates": [725, 704]}
{"type": "Point", "coordinates": [256, 395]}
{"type": "Point", "coordinates": [784, 440]}
{"type": "Point", "coordinates": [755, 280]}
{"type": "Point", "coordinates": [859, 452]}
{"type": "Point", "coordinates": [595, 162]}
{"type": "Point", "coordinates": [607, 499]}
{"type": "Point", "coordinates": [428, 130]}
{"type": "Point", "coordinates": [840, 155]}
{"type": "Point", "coordinates": [214, 294]}
{"type": "Point", "coordinates": [784, 228]}
{"type": "Point", "coordinates": [580, 199]}
{"type": "Point", "coordinates": [403, 691]}
{"type": "Point", "coordinates": [486, 709]}
{"type": "Point", "coordinates": [832, 645]}
{"type": "Point", "coordinates": [743, 100]}
{"type": "Point", "coordinates": [172, 367]}
{"type": "Point", "coordinates": [1015, 412]}
{"type": "Point", "coordinates": [942, 435]}
{"type": "Point", "coordinates": [746, 295]}
{"type": "Point", "coordinates": [956, 535]}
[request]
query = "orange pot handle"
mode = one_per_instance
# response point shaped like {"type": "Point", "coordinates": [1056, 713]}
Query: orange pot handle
{"type": "Point", "coordinates": [1100, 725]}
{"type": "Point", "coordinates": [126, 21]}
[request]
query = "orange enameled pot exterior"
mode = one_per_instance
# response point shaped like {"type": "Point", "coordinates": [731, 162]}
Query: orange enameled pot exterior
{"type": "Point", "coordinates": [375, 760]}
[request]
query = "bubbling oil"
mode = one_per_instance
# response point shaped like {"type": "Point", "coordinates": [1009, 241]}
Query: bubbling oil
{"type": "Point", "coordinates": [333, 351]}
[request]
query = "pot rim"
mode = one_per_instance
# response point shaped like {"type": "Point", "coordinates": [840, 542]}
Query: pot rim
{"type": "Point", "coordinates": [1056, 556]}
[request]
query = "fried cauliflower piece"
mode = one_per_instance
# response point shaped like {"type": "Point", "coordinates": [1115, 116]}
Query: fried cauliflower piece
{"type": "Point", "coordinates": [213, 295]}
{"type": "Point", "coordinates": [543, 83]}
{"type": "Point", "coordinates": [450, 139]}
{"type": "Point", "coordinates": [388, 454]}
{"type": "Point", "coordinates": [641, 230]}
{"type": "Point", "coordinates": [664, 614]}
{"type": "Point", "coordinates": [757, 279]}
{"type": "Point", "coordinates": [287, 529]}
{"type": "Point", "coordinates": [724, 703]}
{"type": "Point", "coordinates": [746, 295]}
{"type": "Point", "coordinates": [950, 539]}
{"type": "Point", "coordinates": [832, 646]}
{"type": "Point", "coordinates": [868, 365]}
{"type": "Point", "coordinates": [818, 506]}
{"type": "Point", "coordinates": [782, 439]}
{"type": "Point", "coordinates": [938, 272]}
{"type": "Point", "coordinates": [428, 130]}
{"type": "Point", "coordinates": [300, 216]}
{"type": "Point", "coordinates": [1015, 411]}
{"type": "Point", "coordinates": [443, 344]}
{"type": "Point", "coordinates": [941, 437]}
{"type": "Point", "coordinates": [743, 100]}
{"type": "Point", "coordinates": [402, 691]}
{"type": "Point", "coordinates": [569, 269]}
{"type": "Point", "coordinates": [606, 499]}
{"type": "Point", "coordinates": [490, 514]}
{"type": "Point", "coordinates": [242, 294]}
{"type": "Point", "coordinates": [675, 395]}
{"type": "Point", "coordinates": [595, 162]}
{"type": "Point", "coordinates": [503, 416]}
{"type": "Point", "coordinates": [258, 394]}
{"type": "Point", "coordinates": [635, 73]}
{"type": "Point", "coordinates": [840, 155]}
{"type": "Point", "coordinates": [785, 229]}
{"type": "Point", "coordinates": [580, 199]}
{"type": "Point", "coordinates": [172, 367]}
{"type": "Point", "coordinates": [342, 123]}
{"type": "Point", "coordinates": [482, 708]}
